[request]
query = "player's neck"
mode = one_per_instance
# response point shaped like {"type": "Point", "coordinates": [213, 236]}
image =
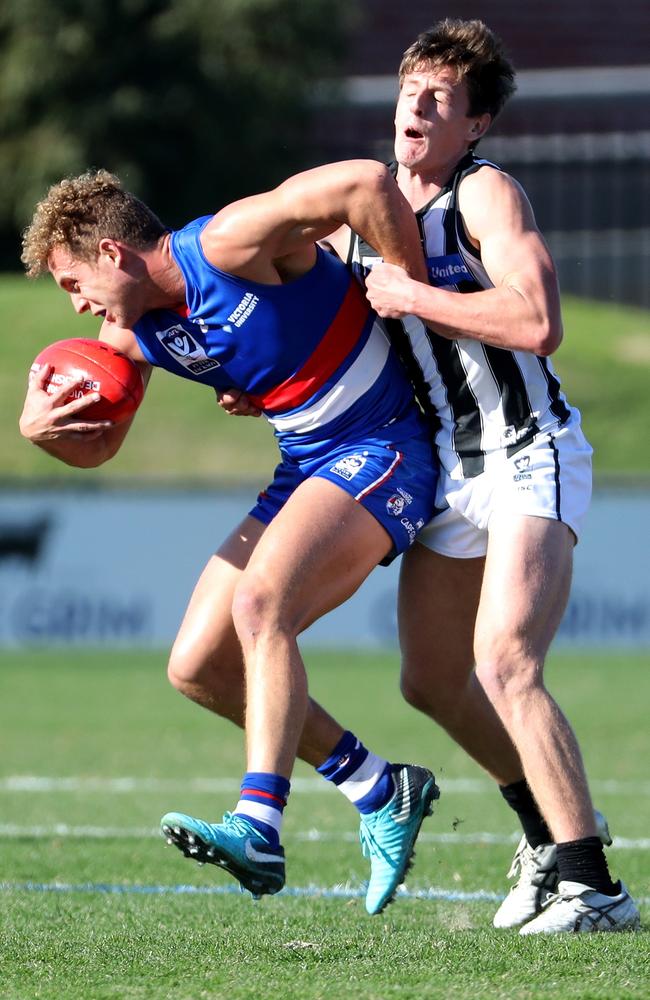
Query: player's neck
{"type": "Point", "coordinates": [420, 185]}
{"type": "Point", "coordinates": [166, 282]}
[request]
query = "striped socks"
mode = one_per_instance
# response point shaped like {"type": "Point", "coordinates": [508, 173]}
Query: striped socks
{"type": "Point", "coordinates": [365, 779]}
{"type": "Point", "coordinates": [262, 800]}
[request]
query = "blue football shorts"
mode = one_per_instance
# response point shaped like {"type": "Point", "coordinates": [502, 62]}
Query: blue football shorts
{"type": "Point", "coordinates": [396, 483]}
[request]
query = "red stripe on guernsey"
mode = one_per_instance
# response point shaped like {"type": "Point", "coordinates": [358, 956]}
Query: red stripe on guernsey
{"type": "Point", "coordinates": [382, 479]}
{"type": "Point", "coordinates": [258, 794]}
{"type": "Point", "coordinates": [183, 311]}
{"type": "Point", "coordinates": [332, 351]}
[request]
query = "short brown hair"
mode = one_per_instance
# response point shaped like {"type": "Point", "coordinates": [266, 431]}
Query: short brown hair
{"type": "Point", "coordinates": [477, 55]}
{"type": "Point", "coordinates": [79, 211]}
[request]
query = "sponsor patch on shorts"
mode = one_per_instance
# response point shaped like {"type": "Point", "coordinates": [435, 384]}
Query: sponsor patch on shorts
{"type": "Point", "coordinates": [348, 466]}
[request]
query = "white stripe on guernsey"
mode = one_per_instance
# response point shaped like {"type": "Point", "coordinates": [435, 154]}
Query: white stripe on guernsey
{"type": "Point", "coordinates": [257, 810]}
{"type": "Point", "coordinates": [360, 376]}
{"type": "Point", "coordinates": [364, 779]}
{"type": "Point", "coordinates": [387, 474]}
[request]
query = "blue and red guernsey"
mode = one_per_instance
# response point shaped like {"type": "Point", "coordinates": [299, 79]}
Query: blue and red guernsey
{"type": "Point", "coordinates": [311, 353]}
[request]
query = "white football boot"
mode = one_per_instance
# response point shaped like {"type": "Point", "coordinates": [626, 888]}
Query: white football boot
{"type": "Point", "coordinates": [577, 908]}
{"type": "Point", "coordinates": [538, 879]}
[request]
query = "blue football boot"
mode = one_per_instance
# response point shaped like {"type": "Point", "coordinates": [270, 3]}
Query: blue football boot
{"type": "Point", "coordinates": [388, 835]}
{"type": "Point", "coordinates": [235, 845]}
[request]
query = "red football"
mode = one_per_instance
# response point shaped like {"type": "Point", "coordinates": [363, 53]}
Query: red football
{"type": "Point", "coordinates": [104, 369]}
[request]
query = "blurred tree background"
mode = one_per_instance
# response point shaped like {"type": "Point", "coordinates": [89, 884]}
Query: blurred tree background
{"type": "Point", "coordinates": [197, 102]}
{"type": "Point", "coordinates": [192, 103]}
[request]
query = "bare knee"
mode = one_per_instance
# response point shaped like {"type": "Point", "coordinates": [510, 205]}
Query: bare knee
{"type": "Point", "coordinates": [258, 610]}
{"type": "Point", "coordinates": [211, 678]}
{"type": "Point", "coordinates": [509, 672]}
{"type": "Point", "coordinates": [184, 668]}
{"type": "Point", "coordinates": [439, 698]}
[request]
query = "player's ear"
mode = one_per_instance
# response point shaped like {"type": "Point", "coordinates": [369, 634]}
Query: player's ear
{"type": "Point", "coordinates": [478, 127]}
{"type": "Point", "coordinates": [110, 249]}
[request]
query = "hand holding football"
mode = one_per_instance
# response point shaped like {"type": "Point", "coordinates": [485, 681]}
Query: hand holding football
{"type": "Point", "coordinates": [104, 370]}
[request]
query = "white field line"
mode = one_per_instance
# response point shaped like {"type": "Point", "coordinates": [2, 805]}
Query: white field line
{"type": "Point", "coordinates": [346, 891]}
{"type": "Point", "coordinates": [14, 831]}
{"type": "Point", "coordinates": [314, 786]}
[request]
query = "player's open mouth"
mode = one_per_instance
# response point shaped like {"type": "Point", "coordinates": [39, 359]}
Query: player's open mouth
{"type": "Point", "coordinates": [412, 133]}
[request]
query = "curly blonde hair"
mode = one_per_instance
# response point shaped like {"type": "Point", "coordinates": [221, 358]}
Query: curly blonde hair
{"type": "Point", "coordinates": [474, 52]}
{"type": "Point", "coordinates": [78, 212]}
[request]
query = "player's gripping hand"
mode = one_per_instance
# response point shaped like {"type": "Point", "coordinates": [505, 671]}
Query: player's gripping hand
{"type": "Point", "coordinates": [52, 416]}
{"type": "Point", "coordinates": [390, 291]}
{"type": "Point", "coordinates": [237, 404]}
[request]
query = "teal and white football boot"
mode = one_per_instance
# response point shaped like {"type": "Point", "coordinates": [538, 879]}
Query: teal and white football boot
{"type": "Point", "coordinates": [234, 845]}
{"type": "Point", "coordinates": [388, 835]}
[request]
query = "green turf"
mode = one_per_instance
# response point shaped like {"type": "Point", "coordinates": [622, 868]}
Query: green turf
{"type": "Point", "coordinates": [103, 716]}
{"type": "Point", "coordinates": [604, 363]}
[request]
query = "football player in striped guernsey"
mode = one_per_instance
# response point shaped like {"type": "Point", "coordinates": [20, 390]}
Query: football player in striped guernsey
{"type": "Point", "coordinates": [484, 589]}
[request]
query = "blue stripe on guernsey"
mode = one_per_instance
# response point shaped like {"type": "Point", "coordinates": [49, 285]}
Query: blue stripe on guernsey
{"type": "Point", "coordinates": [257, 338]}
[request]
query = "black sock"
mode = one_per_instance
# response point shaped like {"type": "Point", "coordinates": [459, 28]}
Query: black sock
{"type": "Point", "coordinates": [584, 861]}
{"type": "Point", "coordinates": [520, 798]}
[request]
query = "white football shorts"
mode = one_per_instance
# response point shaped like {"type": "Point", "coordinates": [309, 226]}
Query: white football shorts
{"type": "Point", "coordinates": [549, 478]}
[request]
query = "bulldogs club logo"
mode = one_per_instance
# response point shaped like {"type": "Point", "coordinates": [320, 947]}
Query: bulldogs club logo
{"type": "Point", "coordinates": [395, 505]}
{"type": "Point", "coordinates": [399, 501]}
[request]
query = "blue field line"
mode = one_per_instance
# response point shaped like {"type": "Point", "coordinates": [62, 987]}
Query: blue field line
{"type": "Point", "coordinates": [310, 891]}
{"type": "Point", "coordinates": [313, 891]}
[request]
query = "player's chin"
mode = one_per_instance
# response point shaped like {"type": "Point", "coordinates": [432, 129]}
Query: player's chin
{"type": "Point", "coordinates": [122, 318]}
{"type": "Point", "coordinates": [411, 152]}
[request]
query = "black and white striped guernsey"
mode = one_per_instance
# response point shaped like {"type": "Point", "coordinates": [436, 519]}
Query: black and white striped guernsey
{"type": "Point", "coordinates": [486, 402]}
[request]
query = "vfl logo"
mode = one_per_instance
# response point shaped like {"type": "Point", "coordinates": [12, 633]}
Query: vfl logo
{"type": "Point", "coordinates": [522, 466]}
{"type": "Point", "coordinates": [348, 467]}
{"type": "Point", "coordinates": [185, 350]}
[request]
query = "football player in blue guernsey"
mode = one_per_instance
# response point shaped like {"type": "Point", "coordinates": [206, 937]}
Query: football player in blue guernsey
{"type": "Point", "coordinates": [246, 298]}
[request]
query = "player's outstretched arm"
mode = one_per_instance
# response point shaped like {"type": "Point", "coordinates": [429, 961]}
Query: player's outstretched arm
{"type": "Point", "coordinates": [258, 236]}
{"type": "Point", "coordinates": [522, 311]}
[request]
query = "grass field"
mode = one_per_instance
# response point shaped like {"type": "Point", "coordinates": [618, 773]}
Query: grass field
{"type": "Point", "coordinates": [604, 364]}
{"type": "Point", "coordinates": [97, 746]}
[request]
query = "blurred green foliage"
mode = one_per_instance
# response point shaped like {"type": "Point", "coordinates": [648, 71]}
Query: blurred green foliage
{"type": "Point", "coordinates": [192, 102]}
{"type": "Point", "coordinates": [180, 435]}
